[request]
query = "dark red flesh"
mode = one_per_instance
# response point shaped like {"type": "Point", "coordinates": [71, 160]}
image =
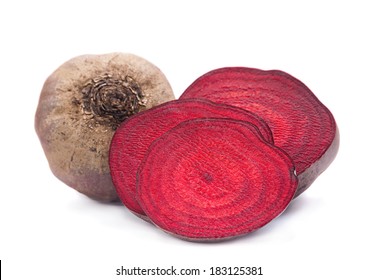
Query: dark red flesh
{"type": "Point", "coordinates": [211, 179]}
{"type": "Point", "coordinates": [132, 139]}
{"type": "Point", "coordinates": [301, 125]}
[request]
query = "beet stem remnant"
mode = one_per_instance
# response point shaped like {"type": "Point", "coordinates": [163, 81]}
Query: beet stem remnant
{"type": "Point", "coordinates": [111, 100]}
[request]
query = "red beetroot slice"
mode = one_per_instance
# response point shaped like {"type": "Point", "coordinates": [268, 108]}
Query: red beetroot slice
{"type": "Point", "coordinates": [132, 139]}
{"type": "Point", "coordinates": [211, 179]}
{"type": "Point", "coordinates": [301, 125]}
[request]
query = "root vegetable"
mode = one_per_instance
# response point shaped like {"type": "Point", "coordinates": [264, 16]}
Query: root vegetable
{"type": "Point", "coordinates": [81, 105]}
{"type": "Point", "coordinates": [134, 136]}
{"type": "Point", "coordinates": [214, 179]}
{"type": "Point", "coordinates": [301, 125]}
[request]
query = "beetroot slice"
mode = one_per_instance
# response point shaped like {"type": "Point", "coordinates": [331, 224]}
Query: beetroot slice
{"type": "Point", "coordinates": [132, 139]}
{"type": "Point", "coordinates": [210, 179]}
{"type": "Point", "coordinates": [301, 125]}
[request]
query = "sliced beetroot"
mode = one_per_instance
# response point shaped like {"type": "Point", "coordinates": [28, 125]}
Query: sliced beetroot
{"type": "Point", "coordinates": [301, 125]}
{"type": "Point", "coordinates": [132, 139]}
{"type": "Point", "coordinates": [211, 179]}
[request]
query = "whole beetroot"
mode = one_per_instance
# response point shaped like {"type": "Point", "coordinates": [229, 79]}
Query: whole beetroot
{"type": "Point", "coordinates": [81, 105]}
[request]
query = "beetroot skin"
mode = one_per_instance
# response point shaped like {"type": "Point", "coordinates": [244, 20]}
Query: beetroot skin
{"type": "Point", "coordinates": [301, 125]}
{"type": "Point", "coordinates": [134, 136]}
{"type": "Point", "coordinates": [82, 103]}
{"type": "Point", "coordinates": [213, 179]}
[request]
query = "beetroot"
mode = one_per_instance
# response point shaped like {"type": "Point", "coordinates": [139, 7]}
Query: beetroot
{"type": "Point", "coordinates": [211, 179]}
{"type": "Point", "coordinates": [82, 103]}
{"type": "Point", "coordinates": [132, 139]}
{"type": "Point", "coordinates": [301, 125]}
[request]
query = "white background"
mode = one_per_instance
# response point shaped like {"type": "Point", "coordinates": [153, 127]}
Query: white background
{"type": "Point", "coordinates": [48, 231]}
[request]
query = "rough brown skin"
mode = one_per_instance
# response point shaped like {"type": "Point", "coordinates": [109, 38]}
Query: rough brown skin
{"type": "Point", "coordinates": [80, 106]}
